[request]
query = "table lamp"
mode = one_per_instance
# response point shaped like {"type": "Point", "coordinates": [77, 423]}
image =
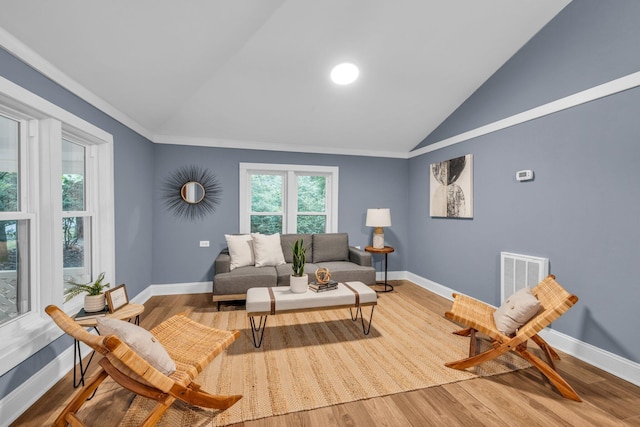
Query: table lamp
{"type": "Point", "coordinates": [378, 218]}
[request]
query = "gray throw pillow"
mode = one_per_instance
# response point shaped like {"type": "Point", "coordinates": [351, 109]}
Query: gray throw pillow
{"type": "Point", "coordinates": [330, 247]}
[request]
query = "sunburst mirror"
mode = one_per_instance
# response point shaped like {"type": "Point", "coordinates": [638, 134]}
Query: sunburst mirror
{"type": "Point", "coordinates": [192, 192]}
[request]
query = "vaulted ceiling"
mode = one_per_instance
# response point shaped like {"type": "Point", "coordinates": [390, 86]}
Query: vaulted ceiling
{"type": "Point", "coordinates": [255, 73]}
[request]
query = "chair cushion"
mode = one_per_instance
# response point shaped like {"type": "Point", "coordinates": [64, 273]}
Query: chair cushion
{"type": "Point", "coordinates": [330, 247]}
{"type": "Point", "coordinates": [516, 311]}
{"type": "Point", "coordinates": [140, 340]}
{"type": "Point", "coordinates": [240, 250]}
{"type": "Point", "coordinates": [267, 249]}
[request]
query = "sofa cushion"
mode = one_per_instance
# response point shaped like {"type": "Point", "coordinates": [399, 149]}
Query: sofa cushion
{"type": "Point", "coordinates": [267, 249]}
{"type": "Point", "coordinates": [287, 240]}
{"type": "Point", "coordinates": [240, 279]}
{"type": "Point", "coordinates": [343, 271]}
{"type": "Point", "coordinates": [330, 247]}
{"type": "Point", "coordinates": [240, 249]}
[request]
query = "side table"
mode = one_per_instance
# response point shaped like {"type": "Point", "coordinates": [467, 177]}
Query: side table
{"type": "Point", "coordinates": [127, 312]}
{"type": "Point", "coordinates": [386, 251]}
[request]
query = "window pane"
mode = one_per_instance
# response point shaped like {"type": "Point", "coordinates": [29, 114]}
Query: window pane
{"type": "Point", "coordinates": [73, 172]}
{"type": "Point", "coordinates": [76, 249]}
{"type": "Point", "coordinates": [311, 224]}
{"type": "Point", "coordinates": [14, 269]}
{"type": "Point", "coordinates": [9, 138]}
{"type": "Point", "coordinates": [266, 224]}
{"type": "Point", "coordinates": [311, 193]}
{"type": "Point", "coordinates": [266, 193]}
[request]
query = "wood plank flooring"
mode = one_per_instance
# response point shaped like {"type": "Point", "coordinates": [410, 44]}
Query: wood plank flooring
{"type": "Point", "coordinates": [522, 398]}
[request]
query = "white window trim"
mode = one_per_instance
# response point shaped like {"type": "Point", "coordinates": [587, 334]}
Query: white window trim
{"type": "Point", "coordinates": [27, 334]}
{"type": "Point", "coordinates": [289, 171]}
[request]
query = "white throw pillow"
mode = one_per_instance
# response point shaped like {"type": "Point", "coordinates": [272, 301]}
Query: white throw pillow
{"type": "Point", "coordinates": [140, 340]}
{"type": "Point", "coordinates": [516, 311]}
{"type": "Point", "coordinates": [240, 250]}
{"type": "Point", "coordinates": [267, 249]}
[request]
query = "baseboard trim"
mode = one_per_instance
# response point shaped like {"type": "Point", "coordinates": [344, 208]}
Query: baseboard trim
{"type": "Point", "coordinates": [14, 404]}
{"type": "Point", "coordinates": [181, 288]}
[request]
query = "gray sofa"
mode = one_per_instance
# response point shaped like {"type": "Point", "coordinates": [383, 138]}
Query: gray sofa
{"type": "Point", "coordinates": [330, 250]}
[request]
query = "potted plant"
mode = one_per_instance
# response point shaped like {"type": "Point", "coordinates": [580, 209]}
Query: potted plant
{"type": "Point", "coordinates": [94, 300]}
{"type": "Point", "coordinates": [299, 281]}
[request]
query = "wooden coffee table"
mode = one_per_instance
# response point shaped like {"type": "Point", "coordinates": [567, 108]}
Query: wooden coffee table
{"type": "Point", "coordinates": [265, 301]}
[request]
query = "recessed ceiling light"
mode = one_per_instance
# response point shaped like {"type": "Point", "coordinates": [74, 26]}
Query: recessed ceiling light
{"type": "Point", "coordinates": [344, 74]}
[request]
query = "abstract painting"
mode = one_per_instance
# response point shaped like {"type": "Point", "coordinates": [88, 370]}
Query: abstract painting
{"type": "Point", "coordinates": [451, 188]}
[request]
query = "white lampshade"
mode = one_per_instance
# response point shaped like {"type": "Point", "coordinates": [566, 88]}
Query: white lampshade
{"type": "Point", "coordinates": [379, 217]}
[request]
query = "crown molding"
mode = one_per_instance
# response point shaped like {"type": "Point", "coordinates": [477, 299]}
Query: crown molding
{"type": "Point", "coordinates": [621, 84]}
{"type": "Point", "coordinates": [254, 145]}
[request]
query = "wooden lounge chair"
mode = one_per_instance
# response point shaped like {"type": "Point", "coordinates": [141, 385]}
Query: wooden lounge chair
{"type": "Point", "coordinates": [192, 347]}
{"type": "Point", "coordinates": [478, 317]}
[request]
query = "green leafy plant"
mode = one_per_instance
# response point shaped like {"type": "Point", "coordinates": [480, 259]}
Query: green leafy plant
{"type": "Point", "coordinates": [92, 288]}
{"type": "Point", "coordinates": [299, 257]}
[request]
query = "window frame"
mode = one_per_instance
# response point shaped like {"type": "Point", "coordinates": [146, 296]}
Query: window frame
{"type": "Point", "coordinates": [41, 202]}
{"type": "Point", "coordinates": [290, 201]}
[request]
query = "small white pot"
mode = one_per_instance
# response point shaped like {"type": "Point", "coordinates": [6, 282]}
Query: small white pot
{"type": "Point", "coordinates": [94, 303]}
{"type": "Point", "coordinates": [299, 285]}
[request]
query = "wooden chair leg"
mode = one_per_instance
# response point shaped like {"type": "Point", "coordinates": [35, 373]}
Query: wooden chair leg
{"type": "Point", "coordinates": [158, 411]}
{"type": "Point", "coordinates": [463, 332]}
{"type": "Point", "coordinates": [204, 399]}
{"type": "Point", "coordinates": [549, 352]}
{"type": "Point", "coordinates": [79, 399]}
{"type": "Point", "coordinates": [558, 382]}
{"type": "Point", "coordinates": [478, 359]}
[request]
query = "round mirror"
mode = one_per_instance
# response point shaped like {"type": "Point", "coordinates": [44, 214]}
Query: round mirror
{"type": "Point", "coordinates": [192, 192]}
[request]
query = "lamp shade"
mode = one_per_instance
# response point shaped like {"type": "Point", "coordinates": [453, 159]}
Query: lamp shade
{"type": "Point", "coordinates": [379, 217]}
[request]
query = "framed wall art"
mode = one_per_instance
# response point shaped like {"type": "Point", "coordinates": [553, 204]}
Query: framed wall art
{"type": "Point", "coordinates": [451, 188]}
{"type": "Point", "coordinates": [117, 298]}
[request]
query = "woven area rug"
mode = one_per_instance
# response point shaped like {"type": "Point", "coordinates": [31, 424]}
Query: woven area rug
{"type": "Point", "coordinates": [316, 359]}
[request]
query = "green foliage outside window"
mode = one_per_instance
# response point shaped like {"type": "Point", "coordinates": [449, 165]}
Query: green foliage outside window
{"type": "Point", "coordinates": [312, 193]}
{"type": "Point", "coordinates": [266, 193]}
{"type": "Point", "coordinates": [72, 228]}
{"type": "Point", "coordinates": [267, 197]}
{"type": "Point", "coordinates": [8, 203]}
{"type": "Point", "coordinates": [266, 224]}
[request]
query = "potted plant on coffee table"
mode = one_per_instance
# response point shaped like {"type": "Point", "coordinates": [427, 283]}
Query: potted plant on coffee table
{"type": "Point", "coordinates": [94, 300]}
{"type": "Point", "coordinates": [299, 281]}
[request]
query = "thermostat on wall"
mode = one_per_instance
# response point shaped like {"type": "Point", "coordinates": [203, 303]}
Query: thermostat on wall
{"type": "Point", "coordinates": [524, 175]}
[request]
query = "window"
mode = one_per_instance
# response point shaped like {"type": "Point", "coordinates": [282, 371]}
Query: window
{"type": "Point", "coordinates": [14, 225]}
{"type": "Point", "coordinates": [288, 198]}
{"type": "Point", "coordinates": [56, 215]}
{"type": "Point", "coordinates": [76, 219]}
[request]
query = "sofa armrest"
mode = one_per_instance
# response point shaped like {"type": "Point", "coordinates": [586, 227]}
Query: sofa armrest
{"type": "Point", "coordinates": [222, 263]}
{"type": "Point", "coordinates": [359, 256]}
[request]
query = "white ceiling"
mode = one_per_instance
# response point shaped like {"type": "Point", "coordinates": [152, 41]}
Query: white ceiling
{"type": "Point", "coordinates": [255, 74]}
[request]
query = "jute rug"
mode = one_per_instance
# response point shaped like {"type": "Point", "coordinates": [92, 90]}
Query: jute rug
{"type": "Point", "coordinates": [316, 359]}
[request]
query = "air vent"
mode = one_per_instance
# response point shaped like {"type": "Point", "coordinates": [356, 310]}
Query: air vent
{"type": "Point", "coordinates": [520, 271]}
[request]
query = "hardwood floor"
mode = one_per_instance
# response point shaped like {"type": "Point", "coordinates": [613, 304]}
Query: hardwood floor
{"type": "Point", "coordinates": [522, 398]}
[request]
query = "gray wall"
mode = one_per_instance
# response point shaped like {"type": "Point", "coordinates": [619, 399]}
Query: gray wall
{"type": "Point", "coordinates": [582, 209]}
{"type": "Point", "coordinates": [133, 159]}
{"type": "Point", "coordinates": [365, 182]}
